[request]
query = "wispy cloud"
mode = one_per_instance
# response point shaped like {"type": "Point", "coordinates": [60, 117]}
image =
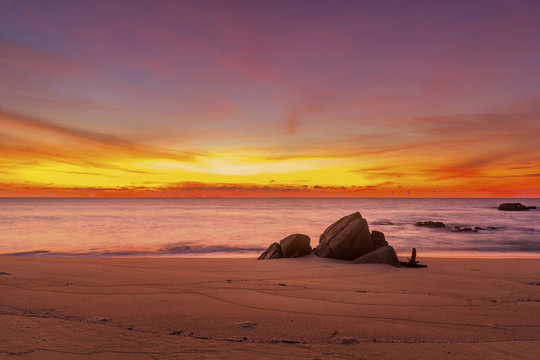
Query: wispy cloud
{"type": "Point", "coordinates": [99, 142]}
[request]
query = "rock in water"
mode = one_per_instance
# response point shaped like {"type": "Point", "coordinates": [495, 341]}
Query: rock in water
{"type": "Point", "coordinates": [513, 207]}
{"type": "Point", "coordinates": [433, 224]}
{"type": "Point", "coordinates": [295, 245]}
{"type": "Point", "coordinates": [383, 255]}
{"type": "Point", "coordinates": [347, 239]}
{"type": "Point", "coordinates": [273, 252]}
{"type": "Point", "coordinates": [378, 239]}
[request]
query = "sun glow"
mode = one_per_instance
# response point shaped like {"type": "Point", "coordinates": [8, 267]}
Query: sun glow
{"type": "Point", "coordinates": [302, 110]}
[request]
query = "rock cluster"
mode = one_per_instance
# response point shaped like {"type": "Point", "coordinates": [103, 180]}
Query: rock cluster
{"type": "Point", "coordinates": [349, 238]}
{"type": "Point", "coordinates": [438, 224]}
{"type": "Point", "coordinates": [515, 207]}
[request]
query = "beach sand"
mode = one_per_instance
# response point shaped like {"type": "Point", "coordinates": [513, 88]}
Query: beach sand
{"type": "Point", "coordinates": [305, 308]}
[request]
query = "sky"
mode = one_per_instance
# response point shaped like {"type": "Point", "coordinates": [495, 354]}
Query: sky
{"type": "Point", "coordinates": [270, 98]}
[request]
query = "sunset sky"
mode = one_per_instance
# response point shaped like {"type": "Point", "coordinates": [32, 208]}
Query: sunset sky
{"type": "Point", "coordinates": [270, 98]}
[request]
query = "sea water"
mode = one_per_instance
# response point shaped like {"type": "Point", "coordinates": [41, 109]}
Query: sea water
{"type": "Point", "coordinates": [245, 227]}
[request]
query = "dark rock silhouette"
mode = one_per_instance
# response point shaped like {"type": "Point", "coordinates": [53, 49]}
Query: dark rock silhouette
{"type": "Point", "coordinates": [515, 207]}
{"type": "Point", "coordinates": [323, 250]}
{"type": "Point", "coordinates": [273, 252]}
{"type": "Point", "coordinates": [433, 224]}
{"type": "Point", "coordinates": [466, 229]}
{"type": "Point", "coordinates": [382, 255]}
{"type": "Point", "coordinates": [295, 245]}
{"type": "Point", "coordinates": [378, 239]}
{"type": "Point", "coordinates": [347, 239]}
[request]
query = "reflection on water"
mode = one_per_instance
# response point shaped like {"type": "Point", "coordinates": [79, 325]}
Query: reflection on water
{"type": "Point", "coordinates": [116, 227]}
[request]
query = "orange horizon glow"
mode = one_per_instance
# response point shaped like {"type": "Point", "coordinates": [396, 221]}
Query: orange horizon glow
{"type": "Point", "coordinates": [190, 99]}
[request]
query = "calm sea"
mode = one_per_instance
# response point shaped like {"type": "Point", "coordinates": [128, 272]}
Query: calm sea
{"type": "Point", "coordinates": [245, 227]}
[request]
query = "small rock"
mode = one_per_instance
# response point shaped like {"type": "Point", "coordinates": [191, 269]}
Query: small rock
{"type": "Point", "coordinates": [273, 252]}
{"type": "Point", "coordinates": [513, 207]}
{"type": "Point", "coordinates": [382, 255]}
{"type": "Point", "coordinates": [464, 229]}
{"type": "Point", "coordinates": [433, 224]}
{"type": "Point", "coordinates": [295, 245]}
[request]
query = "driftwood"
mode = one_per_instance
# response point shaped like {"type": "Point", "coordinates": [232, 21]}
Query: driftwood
{"type": "Point", "coordinates": [412, 263]}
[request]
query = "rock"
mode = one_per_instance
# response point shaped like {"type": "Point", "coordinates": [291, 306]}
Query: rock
{"type": "Point", "coordinates": [273, 252]}
{"type": "Point", "coordinates": [382, 255]}
{"type": "Point", "coordinates": [347, 239]}
{"type": "Point", "coordinates": [378, 239]}
{"type": "Point", "coordinates": [295, 245]}
{"type": "Point", "coordinates": [465, 229]}
{"type": "Point", "coordinates": [323, 250]}
{"type": "Point", "coordinates": [513, 207]}
{"type": "Point", "coordinates": [433, 224]}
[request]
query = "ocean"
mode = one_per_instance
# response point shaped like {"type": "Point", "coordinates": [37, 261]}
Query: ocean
{"type": "Point", "coordinates": [226, 227]}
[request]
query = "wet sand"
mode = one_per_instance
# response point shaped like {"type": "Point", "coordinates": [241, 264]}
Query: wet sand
{"type": "Point", "coordinates": [306, 308]}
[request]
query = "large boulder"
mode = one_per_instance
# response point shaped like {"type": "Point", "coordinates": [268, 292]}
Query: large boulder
{"type": "Point", "coordinates": [383, 255]}
{"type": "Point", "coordinates": [378, 239]}
{"type": "Point", "coordinates": [347, 239]}
{"type": "Point", "coordinates": [514, 207]}
{"type": "Point", "coordinates": [295, 245]}
{"type": "Point", "coordinates": [273, 252]}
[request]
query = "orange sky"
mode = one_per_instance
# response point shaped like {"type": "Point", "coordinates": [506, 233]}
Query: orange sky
{"type": "Point", "coordinates": [303, 99]}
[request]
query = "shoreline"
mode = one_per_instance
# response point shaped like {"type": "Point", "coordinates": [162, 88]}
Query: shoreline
{"type": "Point", "coordinates": [303, 308]}
{"type": "Point", "coordinates": [254, 255]}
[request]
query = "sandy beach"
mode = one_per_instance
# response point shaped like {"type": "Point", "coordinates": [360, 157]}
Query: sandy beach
{"type": "Point", "coordinates": [305, 308]}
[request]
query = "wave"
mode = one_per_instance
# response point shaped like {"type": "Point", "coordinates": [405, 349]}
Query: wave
{"type": "Point", "coordinates": [170, 249]}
